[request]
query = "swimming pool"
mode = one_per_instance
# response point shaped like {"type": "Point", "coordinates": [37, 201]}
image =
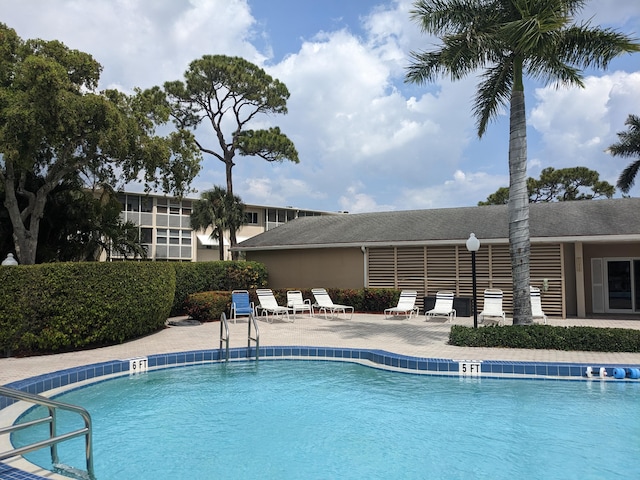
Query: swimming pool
{"type": "Point", "coordinates": [318, 419]}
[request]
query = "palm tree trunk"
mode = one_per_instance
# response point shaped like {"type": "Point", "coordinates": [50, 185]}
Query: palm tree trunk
{"type": "Point", "coordinates": [519, 241]}
{"type": "Point", "coordinates": [221, 245]}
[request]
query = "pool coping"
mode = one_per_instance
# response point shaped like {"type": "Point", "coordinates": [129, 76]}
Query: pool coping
{"type": "Point", "coordinates": [56, 382]}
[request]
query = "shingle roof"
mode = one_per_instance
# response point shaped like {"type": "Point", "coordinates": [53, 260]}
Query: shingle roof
{"type": "Point", "coordinates": [585, 218]}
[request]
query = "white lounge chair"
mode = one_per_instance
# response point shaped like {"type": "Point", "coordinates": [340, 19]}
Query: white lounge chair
{"type": "Point", "coordinates": [326, 305]}
{"type": "Point", "coordinates": [240, 304]}
{"type": "Point", "coordinates": [406, 305]}
{"type": "Point", "coordinates": [492, 306]}
{"type": "Point", "coordinates": [443, 306]}
{"type": "Point", "coordinates": [269, 305]}
{"type": "Point", "coordinates": [298, 304]}
{"type": "Point", "coordinates": [536, 305]}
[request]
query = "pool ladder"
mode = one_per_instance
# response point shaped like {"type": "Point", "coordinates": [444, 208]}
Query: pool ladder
{"type": "Point", "coordinates": [224, 336]}
{"type": "Point", "coordinates": [53, 440]}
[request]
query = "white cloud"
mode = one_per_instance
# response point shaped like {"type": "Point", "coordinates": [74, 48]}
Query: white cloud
{"type": "Point", "coordinates": [577, 125]}
{"type": "Point", "coordinates": [142, 43]}
{"type": "Point", "coordinates": [463, 188]}
{"type": "Point", "coordinates": [367, 140]}
{"type": "Point", "coordinates": [355, 201]}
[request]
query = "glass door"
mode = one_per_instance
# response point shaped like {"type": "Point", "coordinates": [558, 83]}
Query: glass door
{"type": "Point", "coordinates": [623, 285]}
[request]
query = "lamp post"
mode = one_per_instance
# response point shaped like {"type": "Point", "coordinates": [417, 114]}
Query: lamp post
{"type": "Point", "coordinates": [473, 245]}
{"type": "Point", "coordinates": [10, 260]}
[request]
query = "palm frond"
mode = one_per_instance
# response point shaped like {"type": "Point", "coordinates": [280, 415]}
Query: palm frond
{"type": "Point", "coordinates": [548, 69]}
{"type": "Point", "coordinates": [628, 176]}
{"type": "Point", "coordinates": [493, 92]}
{"type": "Point", "coordinates": [425, 67]}
{"type": "Point", "coordinates": [586, 46]}
{"type": "Point", "coordinates": [629, 140]}
{"type": "Point", "coordinates": [490, 34]}
{"type": "Point", "coordinates": [444, 17]}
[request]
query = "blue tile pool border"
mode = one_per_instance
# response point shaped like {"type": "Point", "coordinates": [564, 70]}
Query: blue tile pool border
{"type": "Point", "coordinates": [375, 358]}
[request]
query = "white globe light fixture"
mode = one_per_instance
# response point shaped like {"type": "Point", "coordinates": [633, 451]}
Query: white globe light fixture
{"type": "Point", "coordinates": [473, 244]}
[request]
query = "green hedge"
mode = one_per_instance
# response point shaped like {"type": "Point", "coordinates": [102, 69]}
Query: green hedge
{"type": "Point", "coordinates": [548, 337]}
{"type": "Point", "coordinates": [208, 306]}
{"type": "Point", "coordinates": [200, 277]}
{"type": "Point", "coordinates": [58, 307]}
{"type": "Point", "coordinates": [372, 300]}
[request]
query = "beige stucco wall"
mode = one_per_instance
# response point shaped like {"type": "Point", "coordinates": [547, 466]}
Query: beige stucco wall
{"type": "Point", "coordinates": [331, 267]}
{"type": "Point", "coordinates": [206, 254]}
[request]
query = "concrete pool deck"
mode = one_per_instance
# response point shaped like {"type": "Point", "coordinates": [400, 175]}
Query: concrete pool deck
{"type": "Point", "coordinates": [413, 337]}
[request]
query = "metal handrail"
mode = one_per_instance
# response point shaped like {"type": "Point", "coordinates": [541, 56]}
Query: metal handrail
{"type": "Point", "coordinates": [224, 335]}
{"type": "Point", "coordinates": [54, 438]}
{"type": "Point", "coordinates": [254, 322]}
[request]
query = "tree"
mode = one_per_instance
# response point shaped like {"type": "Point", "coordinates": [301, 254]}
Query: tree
{"type": "Point", "coordinates": [230, 92]}
{"type": "Point", "coordinates": [219, 210]}
{"type": "Point", "coordinates": [628, 147]}
{"type": "Point", "coordinates": [77, 224]}
{"type": "Point", "coordinates": [54, 125]}
{"type": "Point", "coordinates": [559, 185]}
{"type": "Point", "coordinates": [511, 39]}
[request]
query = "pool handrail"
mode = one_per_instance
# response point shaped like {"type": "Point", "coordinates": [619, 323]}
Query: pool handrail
{"type": "Point", "coordinates": [224, 334]}
{"type": "Point", "coordinates": [54, 438]}
{"type": "Point", "coordinates": [254, 322]}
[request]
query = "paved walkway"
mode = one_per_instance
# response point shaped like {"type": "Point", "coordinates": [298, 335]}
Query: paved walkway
{"type": "Point", "coordinates": [414, 337]}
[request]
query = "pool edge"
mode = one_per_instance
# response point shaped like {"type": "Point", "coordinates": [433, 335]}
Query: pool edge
{"type": "Point", "coordinates": [56, 382]}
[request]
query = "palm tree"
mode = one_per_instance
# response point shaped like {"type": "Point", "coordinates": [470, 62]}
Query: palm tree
{"type": "Point", "coordinates": [220, 211]}
{"type": "Point", "coordinates": [511, 39]}
{"type": "Point", "coordinates": [628, 146]}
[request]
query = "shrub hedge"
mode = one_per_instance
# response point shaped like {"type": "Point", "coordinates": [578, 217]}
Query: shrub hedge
{"type": "Point", "coordinates": [362, 300]}
{"type": "Point", "coordinates": [548, 337]}
{"type": "Point", "coordinates": [208, 306]}
{"type": "Point", "coordinates": [58, 307]}
{"type": "Point", "coordinates": [200, 277]}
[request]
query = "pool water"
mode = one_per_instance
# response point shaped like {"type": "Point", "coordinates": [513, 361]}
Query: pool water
{"type": "Point", "coordinates": [319, 420]}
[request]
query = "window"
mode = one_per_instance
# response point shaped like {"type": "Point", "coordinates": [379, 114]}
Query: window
{"type": "Point", "coordinates": [174, 237]}
{"type": "Point", "coordinates": [161, 205]}
{"type": "Point", "coordinates": [252, 218]}
{"type": "Point", "coordinates": [146, 204]}
{"type": "Point", "coordinates": [304, 213]}
{"type": "Point", "coordinates": [161, 236]}
{"type": "Point", "coordinates": [146, 235]}
{"type": "Point", "coordinates": [179, 241]}
{"type": "Point", "coordinates": [133, 203]}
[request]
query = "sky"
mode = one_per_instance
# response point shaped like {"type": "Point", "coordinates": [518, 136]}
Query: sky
{"type": "Point", "coordinates": [367, 140]}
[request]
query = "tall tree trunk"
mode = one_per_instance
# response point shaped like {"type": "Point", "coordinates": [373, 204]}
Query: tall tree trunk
{"type": "Point", "coordinates": [519, 240]}
{"type": "Point", "coordinates": [221, 245]}
{"type": "Point", "coordinates": [232, 229]}
{"type": "Point", "coordinates": [25, 240]}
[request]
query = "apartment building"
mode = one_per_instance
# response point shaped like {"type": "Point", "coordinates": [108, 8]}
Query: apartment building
{"type": "Point", "coordinates": [166, 233]}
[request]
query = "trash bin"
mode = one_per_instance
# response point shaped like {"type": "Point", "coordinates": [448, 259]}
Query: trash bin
{"type": "Point", "coordinates": [462, 305]}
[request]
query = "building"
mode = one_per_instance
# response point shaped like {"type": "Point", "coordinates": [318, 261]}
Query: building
{"type": "Point", "coordinates": [585, 255]}
{"type": "Point", "coordinates": [166, 233]}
